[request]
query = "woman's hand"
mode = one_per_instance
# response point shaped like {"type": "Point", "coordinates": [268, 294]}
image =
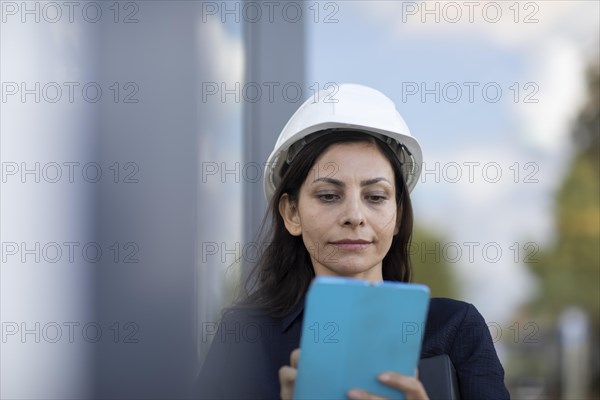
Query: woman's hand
{"type": "Point", "coordinates": [287, 376]}
{"type": "Point", "coordinates": [411, 387]}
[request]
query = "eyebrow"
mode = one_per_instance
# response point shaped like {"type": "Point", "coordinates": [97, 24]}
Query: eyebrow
{"type": "Point", "coordinates": [339, 183]}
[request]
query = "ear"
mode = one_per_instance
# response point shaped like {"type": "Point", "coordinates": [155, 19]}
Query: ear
{"type": "Point", "coordinates": [288, 210]}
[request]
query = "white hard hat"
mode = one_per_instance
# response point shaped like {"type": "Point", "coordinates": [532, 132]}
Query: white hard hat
{"type": "Point", "coordinates": [347, 106]}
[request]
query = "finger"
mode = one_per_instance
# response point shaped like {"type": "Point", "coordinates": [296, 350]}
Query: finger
{"type": "Point", "coordinates": [411, 387]}
{"type": "Point", "coordinates": [287, 375]}
{"type": "Point", "coordinates": [287, 378]}
{"type": "Point", "coordinates": [357, 394]}
{"type": "Point", "coordinates": [294, 358]}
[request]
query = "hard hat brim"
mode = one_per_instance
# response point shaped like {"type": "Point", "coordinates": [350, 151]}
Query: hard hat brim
{"type": "Point", "coordinates": [410, 159]}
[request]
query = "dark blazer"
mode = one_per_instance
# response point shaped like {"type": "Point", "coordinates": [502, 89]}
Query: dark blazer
{"type": "Point", "coordinates": [249, 348]}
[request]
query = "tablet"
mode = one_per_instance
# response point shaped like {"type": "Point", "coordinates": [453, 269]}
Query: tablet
{"type": "Point", "coordinates": [354, 330]}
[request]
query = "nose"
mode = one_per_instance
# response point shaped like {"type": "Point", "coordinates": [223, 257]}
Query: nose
{"type": "Point", "coordinates": [353, 214]}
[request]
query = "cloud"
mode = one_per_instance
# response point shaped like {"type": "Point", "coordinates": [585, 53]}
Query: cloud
{"type": "Point", "coordinates": [559, 71]}
{"type": "Point", "coordinates": [554, 39]}
{"type": "Point", "coordinates": [500, 22]}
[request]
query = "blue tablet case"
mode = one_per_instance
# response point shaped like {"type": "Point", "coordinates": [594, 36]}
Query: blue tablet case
{"type": "Point", "coordinates": [353, 330]}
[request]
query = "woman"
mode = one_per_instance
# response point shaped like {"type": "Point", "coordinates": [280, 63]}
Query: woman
{"type": "Point", "coordinates": [338, 184]}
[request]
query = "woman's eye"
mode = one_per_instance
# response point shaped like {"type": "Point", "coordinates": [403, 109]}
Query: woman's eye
{"type": "Point", "coordinates": [327, 197]}
{"type": "Point", "coordinates": [376, 198]}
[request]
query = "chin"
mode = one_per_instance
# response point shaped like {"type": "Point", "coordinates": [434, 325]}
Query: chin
{"type": "Point", "coordinates": [350, 270]}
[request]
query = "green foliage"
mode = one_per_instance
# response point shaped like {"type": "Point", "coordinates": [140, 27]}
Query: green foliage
{"type": "Point", "coordinates": [570, 270]}
{"type": "Point", "coordinates": [430, 267]}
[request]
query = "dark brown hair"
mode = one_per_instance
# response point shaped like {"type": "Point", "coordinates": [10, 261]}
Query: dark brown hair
{"type": "Point", "coordinates": [284, 270]}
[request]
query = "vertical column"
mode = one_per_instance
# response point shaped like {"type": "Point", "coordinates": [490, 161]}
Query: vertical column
{"type": "Point", "coordinates": [145, 287]}
{"type": "Point", "coordinates": [49, 165]}
{"type": "Point", "coordinates": [275, 58]}
{"type": "Point", "coordinates": [573, 327]}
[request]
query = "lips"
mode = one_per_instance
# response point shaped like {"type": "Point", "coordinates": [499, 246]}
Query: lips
{"type": "Point", "coordinates": [351, 244]}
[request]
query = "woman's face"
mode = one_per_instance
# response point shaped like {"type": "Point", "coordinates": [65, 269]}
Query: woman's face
{"type": "Point", "coordinates": [346, 211]}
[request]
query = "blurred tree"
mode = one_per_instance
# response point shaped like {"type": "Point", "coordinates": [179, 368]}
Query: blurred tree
{"type": "Point", "coordinates": [569, 270]}
{"type": "Point", "coordinates": [430, 265]}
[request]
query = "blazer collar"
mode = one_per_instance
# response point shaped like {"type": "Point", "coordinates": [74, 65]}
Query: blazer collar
{"type": "Point", "coordinates": [287, 321]}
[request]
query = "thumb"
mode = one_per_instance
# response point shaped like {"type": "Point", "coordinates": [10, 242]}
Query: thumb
{"type": "Point", "coordinates": [294, 358]}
